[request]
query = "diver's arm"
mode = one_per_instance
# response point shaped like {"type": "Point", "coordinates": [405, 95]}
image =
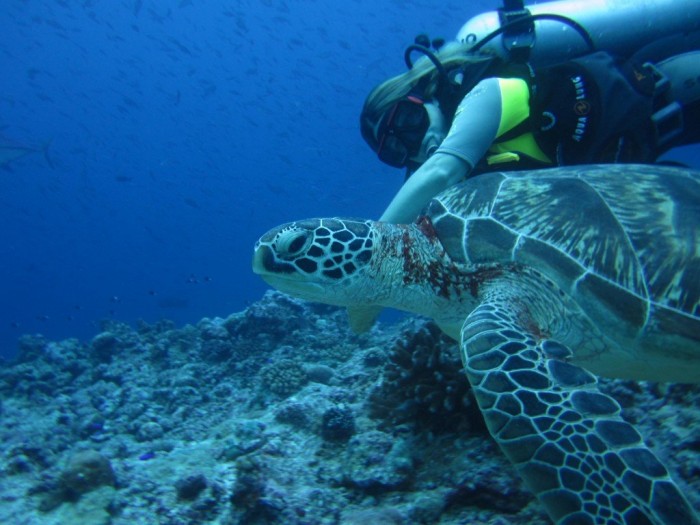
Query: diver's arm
{"type": "Point", "coordinates": [475, 126]}
{"type": "Point", "coordinates": [438, 173]}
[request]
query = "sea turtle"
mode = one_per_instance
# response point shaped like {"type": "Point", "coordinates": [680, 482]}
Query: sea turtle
{"type": "Point", "coordinates": [546, 278]}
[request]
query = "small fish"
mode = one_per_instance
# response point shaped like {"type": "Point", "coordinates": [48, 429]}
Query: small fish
{"type": "Point", "coordinates": [191, 203]}
{"type": "Point", "coordinates": [11, 150]}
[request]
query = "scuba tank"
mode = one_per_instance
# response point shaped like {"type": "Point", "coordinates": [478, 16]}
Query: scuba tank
{"type": "Point", "coordinates": [547, 33]}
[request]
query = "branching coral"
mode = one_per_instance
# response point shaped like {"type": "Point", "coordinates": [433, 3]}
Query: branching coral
{"type": "Point", "coordinates": [424, 385]}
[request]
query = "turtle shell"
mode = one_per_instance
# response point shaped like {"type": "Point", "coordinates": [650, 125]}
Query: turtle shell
{"type": "Point", "coordinates": [622, 239]}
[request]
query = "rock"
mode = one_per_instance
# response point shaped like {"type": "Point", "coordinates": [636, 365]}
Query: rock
{"type": "Point", "coordinates": [320, 374]}
{"type": "Point", "coordinates": [377, 462]}
{"type": "Point", "coordinates": [149, 431]}
{"type": "Point", "coordinates": [210, 329]}
{"type": "Point", "coordinates": [247, 436]}
{"type": "Point", "coordinates": [190, 487]}
{"type": "Point", "coordinates": [30, 347]}
{"type": "Point", "coordinates": [103, 346]}
{"type": "Point", "coordinates": [293, 413]}
{"type": "Point", "coordinates": [86, 470]}
{"type": "Point", "coordinates": [371, 517]}
{"type": "Point", "coordinates": [338, 424]}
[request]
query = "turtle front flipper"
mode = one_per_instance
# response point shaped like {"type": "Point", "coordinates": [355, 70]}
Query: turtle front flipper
{"type": "Point", "coordinates": [362, 318]}
{"type": "Point", "coordinates": [566, 438]}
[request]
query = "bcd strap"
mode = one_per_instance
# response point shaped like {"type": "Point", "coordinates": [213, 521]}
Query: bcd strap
{"type": "Point", "coordinates": [508, 161]}
{"type": "Point", "coordinates": [527, 125]}
{"type": "Point", "coordinates": [461, 80]}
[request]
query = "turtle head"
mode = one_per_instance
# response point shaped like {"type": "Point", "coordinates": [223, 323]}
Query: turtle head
{"type": "Point", "coordinates": [322, 260]}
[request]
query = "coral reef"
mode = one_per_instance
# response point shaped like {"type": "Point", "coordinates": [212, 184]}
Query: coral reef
{"type": "Point", "coordinates": [424, 385]}
{"type": "Point", "coordinates": [275, 415]}
{"type": "Point", "coordinates": [283, 377]}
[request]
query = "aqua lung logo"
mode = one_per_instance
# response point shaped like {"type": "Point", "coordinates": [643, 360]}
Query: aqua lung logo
{"type": "Point", "coordinates": [581, 108]}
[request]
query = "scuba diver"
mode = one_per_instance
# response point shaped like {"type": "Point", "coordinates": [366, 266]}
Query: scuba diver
{"type": "Point", "coordinates": [458, 112]}
{"type": "Point", "coordinates": [496, 101]}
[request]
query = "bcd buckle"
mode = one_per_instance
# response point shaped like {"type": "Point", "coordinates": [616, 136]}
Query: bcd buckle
{"type": "Point", "coordinates": [519, 37]}
{"type": "Point", "coordinates": [668, 118]}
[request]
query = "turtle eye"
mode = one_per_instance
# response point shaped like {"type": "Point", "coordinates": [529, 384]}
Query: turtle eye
{"type": "Point", "coordinates": [292, 242]}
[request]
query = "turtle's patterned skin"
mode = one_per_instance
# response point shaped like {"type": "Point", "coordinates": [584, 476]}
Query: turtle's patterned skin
{"type": "Point", "coordinates": [544, 277]}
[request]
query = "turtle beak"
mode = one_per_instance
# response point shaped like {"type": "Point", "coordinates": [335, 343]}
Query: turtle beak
{"type": "Point", "coordinates": [259, 255]}
{"type": "Point", "coordinates": [265, 263]}
{"type": "Point", "coordinates": [284, 277]}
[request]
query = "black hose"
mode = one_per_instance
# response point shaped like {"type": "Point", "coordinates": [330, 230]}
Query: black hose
{"type": "Point", "coordinates": [531, 18]}
{"type": "Point", "coordinates": [427, 52]}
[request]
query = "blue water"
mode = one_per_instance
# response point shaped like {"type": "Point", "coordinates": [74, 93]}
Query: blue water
{"type": "Point", "coordinates": [177, 133]}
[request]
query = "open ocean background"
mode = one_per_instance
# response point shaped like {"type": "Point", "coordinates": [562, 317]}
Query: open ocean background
{"type": "Point", "coordinates": [176, 133]}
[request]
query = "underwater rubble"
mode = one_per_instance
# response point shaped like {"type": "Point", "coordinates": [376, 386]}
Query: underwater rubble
{"type": "Point", "coordinates": [275, 415]}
